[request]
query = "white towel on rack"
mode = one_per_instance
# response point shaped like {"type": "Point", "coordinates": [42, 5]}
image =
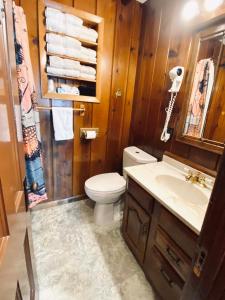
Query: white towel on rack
{"type": "Point", "coordinates": [56, 25]}
{"type": "Point", "coordinates": [52, 13]}
{"type": "Point", "coordinates": [88, 76]}
{"type": "Point", "coordinates": [87, 70]}
{"type": "Point", "coordinates": [58, 62]}
{"type": "Point", "coordinates": [73, 20]}
{"type": "Point", "coordinates": [88, 34]}
{"type": "Point", "coordinates": [63, 72]}
{"type": "Point", "coordinates": [63, 123]}
{"type": "Point", "coordinates": [88, 52]}
{"type": "Point", "coordinates": [56, 49]}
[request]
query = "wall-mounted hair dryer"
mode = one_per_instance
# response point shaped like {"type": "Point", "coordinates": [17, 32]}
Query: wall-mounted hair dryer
{"type": "Point", "coordinates": [176, 75]}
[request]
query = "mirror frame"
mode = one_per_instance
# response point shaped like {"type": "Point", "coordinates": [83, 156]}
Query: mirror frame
{"type": "Point", "coordinates": [196, 38]}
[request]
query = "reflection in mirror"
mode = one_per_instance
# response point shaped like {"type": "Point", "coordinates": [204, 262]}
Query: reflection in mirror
{"type": "Point", "coordinates": [203, 85]}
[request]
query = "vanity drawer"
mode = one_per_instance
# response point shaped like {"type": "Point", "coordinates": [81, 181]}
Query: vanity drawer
{"type": "Point", "coordinates": [185, 238]}
{"type": "Point", "coordinates": [141, 196]}
{"type": "Point", "coordinates": [177, 258]}
{"type": "Point", "coordinates": [165, 280]}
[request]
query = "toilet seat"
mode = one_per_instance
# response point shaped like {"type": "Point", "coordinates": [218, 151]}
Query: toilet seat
{"type": "Point", "coordinates": [106, 183]}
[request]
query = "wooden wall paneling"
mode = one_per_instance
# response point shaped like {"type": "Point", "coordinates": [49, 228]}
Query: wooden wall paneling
{"type": "Point", "coordinates": [167, 42]}
{"type": "Point", "coordinates": [158, 92]}
{"type": "Point", "coordinates": [87, 5]}
{"type": "Point", "coordinates": [132, 68]}
{"type": "Point", "coordinates": [145, 70]}
{"type": "Point", "coordinates": [178, 55]}
{"type": "Point", "coordinates": [107, 10]}
{"type": "Point", "coordinates": [62, 152]}
{"type": "Point", "coordinates": [82, 149]}
{"type": "Point", "coordinates": [126, 15]}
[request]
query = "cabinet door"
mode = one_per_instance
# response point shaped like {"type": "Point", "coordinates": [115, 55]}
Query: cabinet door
{"type": "Point", "coordinates": [135, 227]}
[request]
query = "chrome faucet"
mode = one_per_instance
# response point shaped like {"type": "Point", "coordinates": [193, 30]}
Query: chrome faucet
{"type": "Point", "coordinates": [196, 178]}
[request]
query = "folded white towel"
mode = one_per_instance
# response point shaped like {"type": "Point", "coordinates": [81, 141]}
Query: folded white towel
{"type": "Point", "coordinates": [55, 71]}
{"type": "Point", "coordinates": [63, 41]}
{"type": "Point", "coordinates": [88, 34]}
{"type": "Point", "coordinates": [75, 53]}
{"type": "Point", "coordinates": [54, 39]}
{"type": "Point", "coordinates": [62, 72]}
{"type": "Point", "coordinates": [72, 30]}
{"type": "Point", "coordinates": [55, 61]}
{"type": "Point", "coordinates": [88, 52]}
{"type": "Point", "coordinates": [54, 13]}
{"type": "Point", "coordinates": [87, 70]}
{"type": "Point", "coordinates": [71, 64]}
{"type": "Point", "coordinates": [69, 42]}
{"type": "Point", "coordinates": [55, 25]}
{"type": "Point", "coordinates": [73, 20]}
{"type": "Point", "coordinates": [88, 76]}
{"type": "Point", "coordinates": [63, 123]}
{"type": "Point", "coordinates": [52, 48]}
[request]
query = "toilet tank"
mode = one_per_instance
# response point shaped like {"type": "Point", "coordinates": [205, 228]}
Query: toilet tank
{"type": "Point", "coordinates": [133, 156]}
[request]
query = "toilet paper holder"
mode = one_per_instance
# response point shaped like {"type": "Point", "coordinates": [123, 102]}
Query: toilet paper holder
{"type": "Point", "coordinates": [84, 131]}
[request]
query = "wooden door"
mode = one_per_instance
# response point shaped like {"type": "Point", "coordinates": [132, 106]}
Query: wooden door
{"type": "Point", "coordinates": [135, 227]}
{"type": "Point", "coordinates": [207, 279]}
{"type": "Point", "coordinates": [16, 272]}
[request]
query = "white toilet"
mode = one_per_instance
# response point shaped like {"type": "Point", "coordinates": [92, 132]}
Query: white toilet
{"type": "Point", "coordinates": [106, 189]}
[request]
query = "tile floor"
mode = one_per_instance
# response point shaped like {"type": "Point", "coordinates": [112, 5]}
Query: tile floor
{"type": "Point", "coordinates": [77, 260]}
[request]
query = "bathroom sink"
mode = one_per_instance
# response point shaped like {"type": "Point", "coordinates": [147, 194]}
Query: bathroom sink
{"type": "Point", "coordinates": [182, 191]}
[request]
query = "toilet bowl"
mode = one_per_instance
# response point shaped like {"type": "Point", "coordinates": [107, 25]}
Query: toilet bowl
{"type": "Point", "coordinates": [106, 189]}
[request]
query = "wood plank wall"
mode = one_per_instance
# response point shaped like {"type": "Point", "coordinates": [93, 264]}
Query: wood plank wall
{"type": "Point", "coordinates": [163, 45]}
{"type": "Point", "coordinates": [68, 164]}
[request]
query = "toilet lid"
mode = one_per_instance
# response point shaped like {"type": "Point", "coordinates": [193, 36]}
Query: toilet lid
{"type": "Point", "coordinates": [108, 182]}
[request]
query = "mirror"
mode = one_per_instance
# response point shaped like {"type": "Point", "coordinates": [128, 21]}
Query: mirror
{"type": "Point", "coordinates": [204, 117]}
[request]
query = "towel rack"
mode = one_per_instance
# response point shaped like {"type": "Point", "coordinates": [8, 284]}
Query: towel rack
{"type": "Point", "coordinates": [81, 109]}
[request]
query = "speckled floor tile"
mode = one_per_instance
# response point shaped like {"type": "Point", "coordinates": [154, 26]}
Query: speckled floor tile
{"type": "Point", "coordinates": [78, 260]}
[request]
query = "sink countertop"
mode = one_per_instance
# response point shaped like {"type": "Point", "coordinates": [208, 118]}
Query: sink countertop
{"type": "Point", "coordinates": [192, 214]}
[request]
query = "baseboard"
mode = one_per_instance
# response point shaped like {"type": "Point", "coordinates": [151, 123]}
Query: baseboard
{"type": "Point", "coordinates": [49, 204]}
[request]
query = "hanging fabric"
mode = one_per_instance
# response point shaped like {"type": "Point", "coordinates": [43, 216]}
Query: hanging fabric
{"type": "Point", "coordinates": [35, 184]}
{"type": "Point", "coordinates": [200, 98]}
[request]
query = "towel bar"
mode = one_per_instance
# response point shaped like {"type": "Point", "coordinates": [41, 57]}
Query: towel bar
{"type": "Point", "coordinates": [81, 109]}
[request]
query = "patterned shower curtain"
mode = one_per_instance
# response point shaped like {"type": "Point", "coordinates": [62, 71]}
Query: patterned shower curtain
{"type": "Point", "coordinates": [200, 98]}
{"type": "Point", "coordinates": [35, 184]}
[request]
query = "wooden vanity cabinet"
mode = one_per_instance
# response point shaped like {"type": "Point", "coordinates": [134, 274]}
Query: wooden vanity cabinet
{"type": "Point", "coordinates": [162, 244]}
{"type": "Point", "coordinates": [137, 219]}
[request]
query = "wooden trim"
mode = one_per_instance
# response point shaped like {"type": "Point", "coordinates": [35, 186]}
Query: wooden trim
{"type": "Point", "coordinates": [18, 201]}
{"type": "Point", "coordinates": [71, 97]}
{"type": "Point", "coordinates": [191, 164]}
{"type": "Point", "coordinates": [3, 247]}
{"type": "Point", "coordinates": [208, 145]}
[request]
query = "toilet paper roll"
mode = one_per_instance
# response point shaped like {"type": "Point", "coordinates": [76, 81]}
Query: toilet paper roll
{"type": "Point", "coordinates": [90, 135]}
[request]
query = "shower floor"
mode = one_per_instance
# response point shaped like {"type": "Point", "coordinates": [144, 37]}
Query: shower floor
{"type": "Point", "coordinates": [78, 260]}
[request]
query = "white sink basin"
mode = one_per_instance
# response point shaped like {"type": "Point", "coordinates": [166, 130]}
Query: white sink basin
{"type": "Point", "coordinates": [182, 191]}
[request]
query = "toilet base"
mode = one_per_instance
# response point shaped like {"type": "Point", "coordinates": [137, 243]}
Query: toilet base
{"type": "Point", "coordinates": [103, 213]}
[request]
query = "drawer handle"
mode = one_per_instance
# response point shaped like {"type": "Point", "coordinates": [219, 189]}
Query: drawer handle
{"type": "Point", "coordinates": [144, 229]}
{"type": "Point", "coordinates": [173, 255]}
{"type": "Point", "coordinates": [166, 277]}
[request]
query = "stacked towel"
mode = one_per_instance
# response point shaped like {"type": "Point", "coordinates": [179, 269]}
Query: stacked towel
{"type": "Point", "coordinates": [88, 54]}
{"type": "Point", "coordinates": [63, 41]}
{"type": "Point", "coordinates": [71, 25]}
{"type": "Point", "coordinates": [87, 72]}
{"type": "Point", "coordinates": [58, 62]}
{"type": "Point", "coordinates": [67, 89]}
{"type": "Point", "coordinates": [62, 72]}
{"type": "Point", "coordinates": [88, 34]}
